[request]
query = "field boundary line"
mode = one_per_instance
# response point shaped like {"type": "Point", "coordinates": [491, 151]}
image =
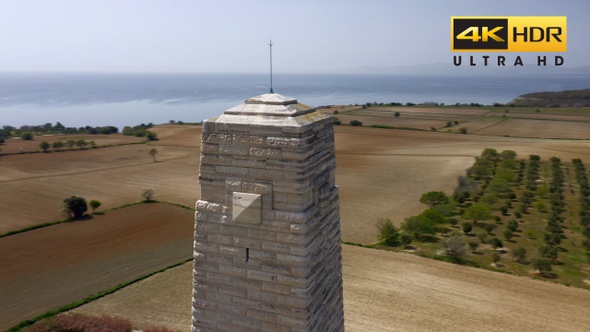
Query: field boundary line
{"type": "Point", "coordinates": [490, 125]}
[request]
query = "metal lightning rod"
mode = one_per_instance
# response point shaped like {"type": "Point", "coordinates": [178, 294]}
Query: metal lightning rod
{"type": "Point", "coordinates": [270, 46]}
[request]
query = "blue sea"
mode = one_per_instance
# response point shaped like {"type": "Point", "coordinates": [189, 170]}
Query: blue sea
{"type": "Point", "coordinates": [77, 99]}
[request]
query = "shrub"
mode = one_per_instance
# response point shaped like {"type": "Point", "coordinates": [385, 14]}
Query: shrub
{"type": "Point", "coordinates": [26, 136]}
{"type": "Point", "coordinates": [356, 123]}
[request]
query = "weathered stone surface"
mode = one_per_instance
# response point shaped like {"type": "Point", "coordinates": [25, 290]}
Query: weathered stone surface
{"type": "Point", "coordinates": [267, 230]}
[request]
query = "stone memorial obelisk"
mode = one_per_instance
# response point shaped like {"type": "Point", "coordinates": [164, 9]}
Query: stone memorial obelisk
{"type": "Point", "coordinates": [267, 233]}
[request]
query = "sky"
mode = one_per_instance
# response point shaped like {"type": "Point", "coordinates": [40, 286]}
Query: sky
{"type": "Point", "coordinates": [231, 36]}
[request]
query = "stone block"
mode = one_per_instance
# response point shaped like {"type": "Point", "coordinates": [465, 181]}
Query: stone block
{"type": "Point", "coordinates": [247, 208]}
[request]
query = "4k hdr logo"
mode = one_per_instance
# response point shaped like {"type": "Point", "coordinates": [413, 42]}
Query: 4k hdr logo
{"type": "Point", "coordinates": [509, 34]}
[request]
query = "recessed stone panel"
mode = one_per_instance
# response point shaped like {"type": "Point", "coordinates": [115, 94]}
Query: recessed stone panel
{"type": "Point", "coordinates": [247, 208]}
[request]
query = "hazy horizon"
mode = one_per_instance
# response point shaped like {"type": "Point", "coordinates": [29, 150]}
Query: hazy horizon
{"type": "Point", "coordinates": [231, 36]}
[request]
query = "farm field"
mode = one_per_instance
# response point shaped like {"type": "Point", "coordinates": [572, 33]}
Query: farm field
{"type": "Point", "coordinates": [567, 122]}
{"type": "Point", "coordinates": [387, 291]}
{"type": "Point", "coordinates": [381, 174]}
{"type": "Point", "coordinates": [408, 162]}
{"type": "Point", "coordinates": [49, 267]}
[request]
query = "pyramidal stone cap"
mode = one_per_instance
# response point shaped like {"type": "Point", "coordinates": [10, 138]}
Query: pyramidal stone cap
{"type": "Point", "coordinates": [271, 104]}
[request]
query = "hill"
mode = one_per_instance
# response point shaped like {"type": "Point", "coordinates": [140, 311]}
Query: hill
{"type": "Point", "coordinates": [567, 98]}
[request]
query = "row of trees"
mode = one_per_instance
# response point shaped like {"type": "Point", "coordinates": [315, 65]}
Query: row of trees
{"type": "Point", "coordinates": [28, 131]}
{"type": "Point", "coordinates": [140, 131]}
{"type": "Point", "coordinates": [584, 199]}
{"type": "Point", "coordinates": [59, 145]}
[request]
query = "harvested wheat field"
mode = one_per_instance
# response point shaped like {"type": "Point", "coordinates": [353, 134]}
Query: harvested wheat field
{"type": "Point", "coordinates": [31, 183]}
{"type": "Point", "coordinates": [49, 267]}
{"type": "Point", "coordinates": [539, 128]}
{"type": "Point", "coordinates": [408, 162]}
{"type": "Point", "coordinates": [386, 291]}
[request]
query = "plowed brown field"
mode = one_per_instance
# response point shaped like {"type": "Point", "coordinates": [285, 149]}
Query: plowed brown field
{"type": "Point", "coordinates": [44, 269]}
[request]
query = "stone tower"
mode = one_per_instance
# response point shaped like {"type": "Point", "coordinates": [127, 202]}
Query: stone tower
{"type": "Point", "coordinates": [267, 233]}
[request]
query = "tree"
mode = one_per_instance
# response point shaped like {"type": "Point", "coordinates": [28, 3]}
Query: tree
{"type": "Point", "coordinates": [150, 135]}
{"type": "Point", "coordinates": [507, 154]}
{"type": "Point", "coordinates": [489, 153]}
{"type": "Point", "coordinates": [94, 204]}
{"type": "Point", "coordinates": [499, 186]}
{"type": "Point", "coordinates": [433, 198]}
{"type": "Point", "coordinates": [71, 143]}
{"type": "Point", "coordinates": [44, 146]}
{"type": "Point", "coordinates": [480, 171]}
{"type": "Point", "coordinates": [496, 243]}
{"type": "Point", "coordinates": [508, 234]}
{"type": "Point", "coordinates": [147, 194]}
{"type": "Point", "coordinates": [552, 239]}
{"type": "Point", "coordinates": [473, 245]}
{"type": "Point", "coordinates": [495, 258]}
{"type": "Point", "coordinates": [454, 246]}
{"type": "Point", "coordinates": [396, 114]}
{"type": "Point", "coordinates": [519, 254]}
{"type": "Point", "coordinates": [127, 131]}
{"type": "Point", "coordinates": [467, 227]}
{"type": "Point", "coordinates": [548, 252]}
{"type": "Point", "coordinates": [542, 265]}
{"type": "Point", "coordinates": [489, 199]}
{"type": "Point", "coordinates": [504, 210]}
{"type": "Point", "coordinates": [75, 207]}
{"type": "Point", "coordinates": [418, 225]}
{"type": "Point", "coordinates": [477, 212]}
{"type": "Point", "coordinates": [57, 145]}
{"type": "Point", "coordinates": [434, 215]}
{"type": "Point", "coordinates": [513, 225]}
{"type": "Point", "coordinates": [388, 235]}
{"type": "Point", "coordinates": [356, 123]}
{"type": "Point", "coordinates": [27, 136]}
{"type": "Point", "coordinates": [463, 130]}
{"type": "Point", "coordinates": [153, 152]}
